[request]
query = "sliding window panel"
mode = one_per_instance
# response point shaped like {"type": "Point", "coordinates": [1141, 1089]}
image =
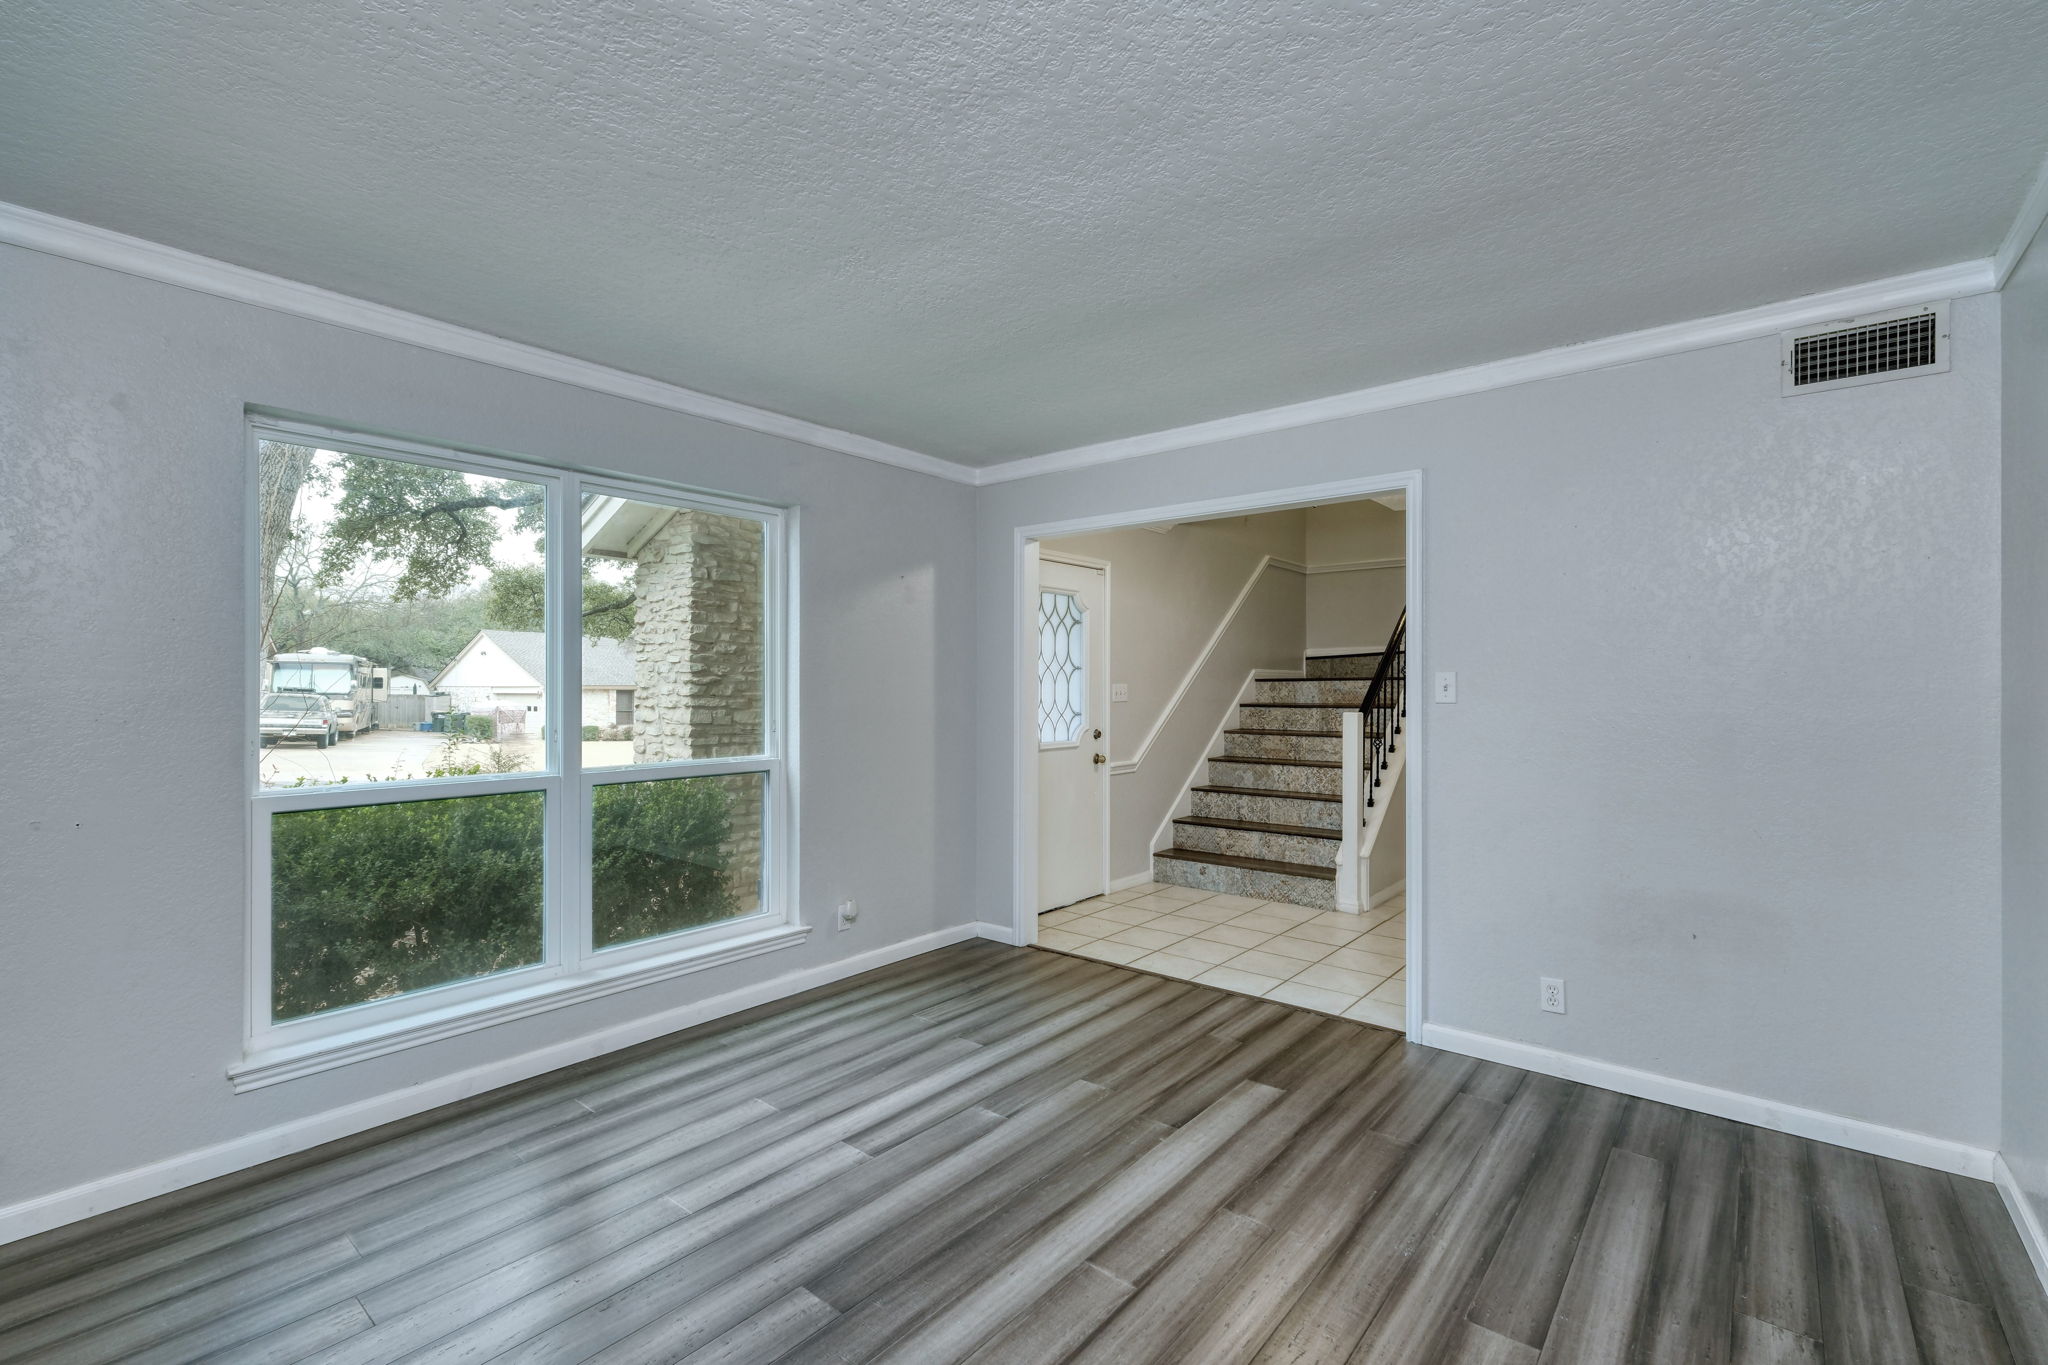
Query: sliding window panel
{"type": "Point", "coordinates": [401, 617]}
{"type": "Point", "coordinates": [676, 854]}
{"type": "Point", "coordinates": [676, 658]}
{"type": "Point", "coordinates": [373, 902]}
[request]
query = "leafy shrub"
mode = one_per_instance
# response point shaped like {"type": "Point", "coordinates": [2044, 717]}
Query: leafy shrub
{"type": "Point", "coordinates": [373, 901]}
{"type": "Point", "coordinates": [482, 727]}
{"type": "Point", "coordinates": [590, 731]}
{"type": "Point", "coordinates": [370, 901]}
{"type": "Point", "coordinates": [659, 855]}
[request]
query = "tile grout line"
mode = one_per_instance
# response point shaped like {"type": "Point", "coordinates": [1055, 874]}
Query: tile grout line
{"type": "Point", "coordinates": [1171, 902]}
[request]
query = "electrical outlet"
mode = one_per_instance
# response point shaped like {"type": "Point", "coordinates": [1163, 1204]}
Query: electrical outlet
{"type": "Point", "coordinates": [848, 913]}
{"type": "Point", "coordinates": [1119, 691]}
{"type": "Point", "coordinates": [1550, 994]}
{"type": "Point", "coordinates": [1446, 687]}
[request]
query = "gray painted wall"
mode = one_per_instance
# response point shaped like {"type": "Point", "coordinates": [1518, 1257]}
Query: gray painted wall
{"type": "Point", "coordinates": [2025, 1138]}
{"type": "Point", "coordinates": [122, 850]}
{"type": "Point", "coordinates": [1692, 769]}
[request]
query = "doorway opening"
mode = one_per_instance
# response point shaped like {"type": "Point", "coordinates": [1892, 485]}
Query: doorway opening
{"type": "Point", "coordinates": [1218, 746]}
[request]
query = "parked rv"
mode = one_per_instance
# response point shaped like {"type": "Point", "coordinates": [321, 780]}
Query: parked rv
{"type": "Point", "coordinates": [349, 683]}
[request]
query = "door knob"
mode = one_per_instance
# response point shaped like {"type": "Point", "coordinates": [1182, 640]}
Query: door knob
{"type": "Point", "coordinates": [1100, 759]}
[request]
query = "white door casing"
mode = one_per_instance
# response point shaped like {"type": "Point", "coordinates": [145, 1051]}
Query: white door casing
{"type": "Point", "coordinates": [1073, 744]}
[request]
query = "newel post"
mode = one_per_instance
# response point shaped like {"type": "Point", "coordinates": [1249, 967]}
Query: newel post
{"type": "Point", "coordinates": [1349, 871]}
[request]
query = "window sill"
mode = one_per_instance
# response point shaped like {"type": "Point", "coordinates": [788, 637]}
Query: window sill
{"type": "Point", "coordinates": [270, 1066]}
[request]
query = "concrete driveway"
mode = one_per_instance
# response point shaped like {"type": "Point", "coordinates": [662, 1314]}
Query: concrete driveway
{"type": "Point", "coordinates": [382, 755]}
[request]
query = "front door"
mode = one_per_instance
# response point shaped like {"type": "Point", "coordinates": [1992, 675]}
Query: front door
{"type": "Point", "coordinates": [1073, 756]}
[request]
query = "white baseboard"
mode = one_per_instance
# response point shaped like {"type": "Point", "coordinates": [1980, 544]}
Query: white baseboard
{"type": "Point", "coordinates": [1921, 1149]}
{"type": "Point", "coordinates": [2032, 1235]}
{"type": "Point", "coordinates": [1001, 933]}
{"type": "Point", "coordinates": [1388, 893]}
{"type": "Point", "coordinates": [1135, 879]}
{"type": "Point", "coordinates": [48, 1211]}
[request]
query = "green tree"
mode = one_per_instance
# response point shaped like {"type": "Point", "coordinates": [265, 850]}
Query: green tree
{"type": "Point", "coordinates": [515, 596]}
{"type": "Point", "coordinates": [429, 521]}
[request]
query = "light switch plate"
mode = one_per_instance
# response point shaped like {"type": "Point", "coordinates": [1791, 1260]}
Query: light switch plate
{"type": "Point", "coordinates": [1446, 687]}
{"type": "Point", "coordinates": [1119, 691]}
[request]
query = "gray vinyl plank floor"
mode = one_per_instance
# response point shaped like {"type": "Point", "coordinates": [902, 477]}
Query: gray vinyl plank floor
{"type": "Point", "coordinates": [1006, 1156]}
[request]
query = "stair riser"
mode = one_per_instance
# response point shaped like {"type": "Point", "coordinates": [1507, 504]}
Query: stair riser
{"type": "Point", "coordinates": [1269, 810]}
{"type": "Point", "coordinates": [1255, 843]}
{"type": "Point", "coordinates": [1324, 747]}
{"type": "Point", "coordinates": [1344, 666]}
{"type": "Point", "coordinates": [1328, 692]}
{"type": "Point", "coordinates": [1255, 717]}
{"type": "Point", "coordinates": [1313, 892]}
{"type": "Point", "coordinates": [1276, 777]}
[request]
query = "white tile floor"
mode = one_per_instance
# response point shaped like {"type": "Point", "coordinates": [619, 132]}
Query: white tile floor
{"type": "Point", "coordinates": [1354, 966]}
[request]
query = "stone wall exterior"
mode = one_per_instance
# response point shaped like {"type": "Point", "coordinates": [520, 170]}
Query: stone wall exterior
{"type": "Point", "coordinates": [700, 657]}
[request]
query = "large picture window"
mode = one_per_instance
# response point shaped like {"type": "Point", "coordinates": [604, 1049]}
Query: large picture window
{"type": "Point", "coordinates": [517, 738]}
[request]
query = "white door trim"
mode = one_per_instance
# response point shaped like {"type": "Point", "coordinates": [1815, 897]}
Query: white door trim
{"type": "Point", "coordinates": [1024, 556]}
{"type": "Point", "coordinates": [1059, 556]}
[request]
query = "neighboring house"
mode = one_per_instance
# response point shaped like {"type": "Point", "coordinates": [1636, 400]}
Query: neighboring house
{"type": "Point", "coordinates": [503, 669]}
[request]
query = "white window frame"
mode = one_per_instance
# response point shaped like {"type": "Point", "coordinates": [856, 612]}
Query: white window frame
{"type": "Point", "coordinates": [570, 970]}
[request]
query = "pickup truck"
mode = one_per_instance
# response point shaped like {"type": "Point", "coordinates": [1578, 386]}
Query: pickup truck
{"type": "Point", "coordinates": [298, 715]}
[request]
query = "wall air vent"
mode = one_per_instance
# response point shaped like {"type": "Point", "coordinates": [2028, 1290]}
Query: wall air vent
{"type": "Point", "coordinates": [1895, 345]}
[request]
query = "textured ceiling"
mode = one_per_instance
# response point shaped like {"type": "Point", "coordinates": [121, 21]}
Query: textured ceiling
{"type": "Point", "coordinates": [989, 229]}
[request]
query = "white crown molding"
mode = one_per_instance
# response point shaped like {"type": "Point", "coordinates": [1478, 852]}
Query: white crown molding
{"type": "Point", "coordinates": [2033, 213]}
{"type": "Point", "coordinates": [94, 1197]}
{"type": "Point", "coordinates": [1954, 281]}
{"type": "Point", "coordinates": [24, 227]}
{"type": "Point", "coordinates": [37, 231]}
{"type": "Point", "coordinates": [1858, 1135]}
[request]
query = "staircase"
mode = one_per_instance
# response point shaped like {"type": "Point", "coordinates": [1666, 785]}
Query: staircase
{"type": "Point", "coordinates": [1269, 820]}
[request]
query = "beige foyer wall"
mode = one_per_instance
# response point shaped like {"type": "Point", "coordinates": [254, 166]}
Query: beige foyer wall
{"type": "Point", "coordinates": [1169, 590]}
{"type": "Point", "coordinates": [1356, 550]}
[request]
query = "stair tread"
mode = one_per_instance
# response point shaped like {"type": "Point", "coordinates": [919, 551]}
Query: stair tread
{"type": "Point", "coordinates": [1195, 855]}
{"type": "Point", "coordinates": [1298, 734]}
{"type": "Point", "coordinates": [1309, 705]}
{"type": "Point", "coordinates": [1277, 762]}
{"type": "Point", "coordinates": [1266, 791]}
{"type": "Point", "coordinates": [1258, 826]}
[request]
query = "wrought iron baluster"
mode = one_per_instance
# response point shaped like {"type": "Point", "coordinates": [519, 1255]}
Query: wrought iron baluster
{"type": "Point", "coordinates": [1385, 705]}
